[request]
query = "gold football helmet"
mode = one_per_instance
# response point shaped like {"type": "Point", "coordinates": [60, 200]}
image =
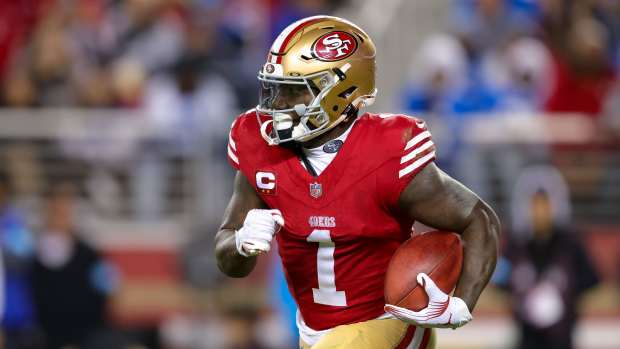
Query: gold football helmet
{"type": "Point", "coordinates": [328, 59]}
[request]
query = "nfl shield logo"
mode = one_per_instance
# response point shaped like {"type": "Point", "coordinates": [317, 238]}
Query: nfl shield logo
{"type": "Point", "coordinates": [316, 190]}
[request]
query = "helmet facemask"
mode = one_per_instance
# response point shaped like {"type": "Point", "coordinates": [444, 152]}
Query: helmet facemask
{"type": "Point", "coordinates": [301, 122]}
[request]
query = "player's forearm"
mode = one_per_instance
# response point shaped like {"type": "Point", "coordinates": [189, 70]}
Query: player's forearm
{"type": "Point", "coordinates": [229, 260]}
{"type": "Point", "coordinates": [481, 243]}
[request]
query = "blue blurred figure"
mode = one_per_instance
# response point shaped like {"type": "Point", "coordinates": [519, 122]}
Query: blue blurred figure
{"type": "Point", "coordinates": [16, 242]}
{"type": "Point", "coordinates": [283, 301]}
{"type": "Point", "coordinates": [439, 74]}
{"type": "Point", "coordinates": [489, 24]}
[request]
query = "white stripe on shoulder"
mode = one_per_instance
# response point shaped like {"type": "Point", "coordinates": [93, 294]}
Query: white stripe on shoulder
{"type": "Point", "coordinates": [386, 115]}
{"type": "Point", "coordinates": [415, 140]}
{"type": "Point", "coordinates": [231, 142]}
{"type": "Point", "coordinates": [232, 156]}
{"type": "Point", "coordinates": [417, 338]}
{"type": "Point", "coordinates": [429, 143]}
{"type": "Point", "coordinates": [414, 165]}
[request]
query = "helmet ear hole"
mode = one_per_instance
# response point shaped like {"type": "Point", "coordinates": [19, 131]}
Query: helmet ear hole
{"type": "Point", "coordinates": [335, 108]}
{"type": "Point", "coordinates": [348, 92]}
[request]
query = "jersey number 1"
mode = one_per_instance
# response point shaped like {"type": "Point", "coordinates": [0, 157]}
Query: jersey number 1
{"type": "Point", "coordinates": [326, 293]}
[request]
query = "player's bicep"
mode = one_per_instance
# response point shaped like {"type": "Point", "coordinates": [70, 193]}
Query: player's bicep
{"type": "Point", "coordinates": [437, 200]}
{"type": "Point", "coordinates": [243, 199]}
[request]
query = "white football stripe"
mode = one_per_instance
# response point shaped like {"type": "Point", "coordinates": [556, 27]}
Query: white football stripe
{"type": "Point", "coordinates": [280, 39]}
{"type": "Point", "coordinates": [416, 151]}
{"type": "Point", "coordinates": [415, 140]}
{"type": "Point", "coordinates": [232, 156]}
{"type": "Point", "coordinates": [231, 142]}
{"type": "Point", "coordinates": [417, 338]}
{"type": "Point", "coordinates": [414, 165]}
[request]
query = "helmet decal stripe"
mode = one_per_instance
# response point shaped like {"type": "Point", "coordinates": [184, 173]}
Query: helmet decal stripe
{"type": "Point", "coordinates": [271, 58]}
{"type": "Point", "coordinates": [283, 39]}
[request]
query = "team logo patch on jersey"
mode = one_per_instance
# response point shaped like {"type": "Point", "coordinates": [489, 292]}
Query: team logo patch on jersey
{"type": "Point", "coordinates": [333, 146]}
{"type": "Point", "coordinates": [316, 190]}
{"type": "Point", "coordinates": [334, 46]}
{"type": "Point", "coordinates": [266, 183]}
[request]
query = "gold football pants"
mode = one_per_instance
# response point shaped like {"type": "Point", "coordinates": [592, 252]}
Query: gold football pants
{"type": "Point", "coordinates": [376, 334]}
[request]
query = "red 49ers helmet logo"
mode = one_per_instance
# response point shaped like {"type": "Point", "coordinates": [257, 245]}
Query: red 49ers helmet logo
{"type": "Point", "coordinates": [334, 46]}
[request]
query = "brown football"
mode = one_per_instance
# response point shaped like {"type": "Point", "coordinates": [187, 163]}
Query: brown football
{"type": "Point", "coordinates": [439, 254]}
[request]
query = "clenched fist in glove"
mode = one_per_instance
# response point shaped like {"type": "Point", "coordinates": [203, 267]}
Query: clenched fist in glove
{"type": "Point", "coordinates": [258, 230]}
{"type": "Point", "coordinates": [442, 310]}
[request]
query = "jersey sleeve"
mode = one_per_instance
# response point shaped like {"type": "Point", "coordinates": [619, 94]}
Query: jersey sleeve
{"type": "Point", "coordinates": [412, 154]}
{"type": "Point", "coordinates": [233, 155]}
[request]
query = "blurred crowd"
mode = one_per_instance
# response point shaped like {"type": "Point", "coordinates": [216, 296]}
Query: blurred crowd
{"type": "Point", "coordinates": [125, 53]}
{"type": "Point", "coordinates": [189, 66]}
{"type": "Point", "coordinates": [557, 56]}
{"type": "Point", "coordinates": [518, 60]}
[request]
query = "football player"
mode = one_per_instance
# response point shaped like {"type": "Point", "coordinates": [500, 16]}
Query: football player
{"type": "Point", "coordinates": [340, 191]}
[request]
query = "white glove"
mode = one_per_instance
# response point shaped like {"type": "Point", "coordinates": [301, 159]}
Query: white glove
{"type": "Point", "coordinates": [442, 310]}
{"type": "Point", "coordinates": [258, 230]}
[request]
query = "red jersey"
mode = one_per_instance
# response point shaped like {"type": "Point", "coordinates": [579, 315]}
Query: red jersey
{"type": "Point", "coordinates": [342, 227]}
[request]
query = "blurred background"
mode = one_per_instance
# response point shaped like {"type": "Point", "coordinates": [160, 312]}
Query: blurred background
{"type": "Point", "coordinates": [114, 121]}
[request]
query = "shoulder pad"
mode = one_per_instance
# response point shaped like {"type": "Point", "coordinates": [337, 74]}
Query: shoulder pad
{"type": "Point", "coordinates": [244, 129]}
